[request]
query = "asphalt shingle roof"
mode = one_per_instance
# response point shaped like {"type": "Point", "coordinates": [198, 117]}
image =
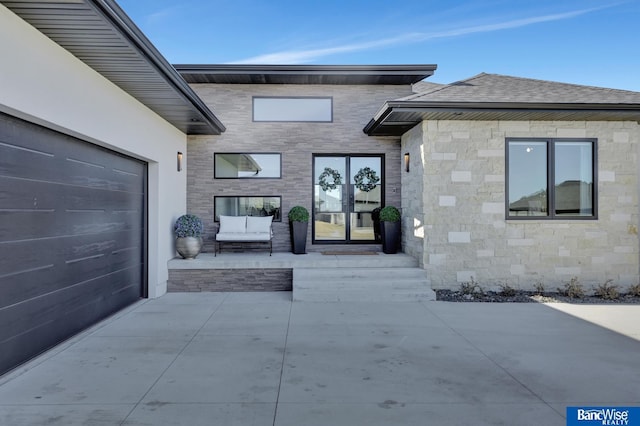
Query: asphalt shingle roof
{"type": "Point", "coordinates": [501, 88]}
{"type": "Point", "coordinates": [501, 97]}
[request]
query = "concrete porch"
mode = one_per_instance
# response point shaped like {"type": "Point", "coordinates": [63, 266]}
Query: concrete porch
{"type": "Point", "coordinates": [311, 277]}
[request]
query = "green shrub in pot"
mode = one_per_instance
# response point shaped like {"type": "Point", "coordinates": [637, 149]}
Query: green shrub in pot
{"type": "Point", "coordinates": [390, 229]}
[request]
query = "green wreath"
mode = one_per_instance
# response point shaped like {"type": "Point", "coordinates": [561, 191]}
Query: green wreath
{"type": "Point", "coordinates": [366, 179]}
{"type": "Point", "coordinates": [336, 179]}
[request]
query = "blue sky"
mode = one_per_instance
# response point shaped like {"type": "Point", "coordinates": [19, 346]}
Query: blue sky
{"type": "Point", "coordinates": [591, 42]}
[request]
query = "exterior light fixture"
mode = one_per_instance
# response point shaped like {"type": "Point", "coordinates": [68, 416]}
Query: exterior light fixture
{"type": "Point", "coordinates": [407, 159]}
{"type": "Point", "coordinates": [179, 161]}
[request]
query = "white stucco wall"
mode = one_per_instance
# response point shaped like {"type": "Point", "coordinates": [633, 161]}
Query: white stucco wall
{"type": "Point", "coordinates": [43, 83]}
{"type": "Point", "coordinates": [463, 208]}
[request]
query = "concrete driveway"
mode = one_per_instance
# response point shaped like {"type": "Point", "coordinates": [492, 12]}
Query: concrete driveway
{"type": "Point", "coordinates": [259, 359]}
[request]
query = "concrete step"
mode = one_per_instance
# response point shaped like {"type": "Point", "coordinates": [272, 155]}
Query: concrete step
{"type": "Point", "coordinates": [361, 285]}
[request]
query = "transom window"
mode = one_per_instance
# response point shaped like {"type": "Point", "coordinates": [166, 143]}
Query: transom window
{"type": "Point", "coordinates": [303, 109]}
{"type": "Point", "coordinates": [551, 178]}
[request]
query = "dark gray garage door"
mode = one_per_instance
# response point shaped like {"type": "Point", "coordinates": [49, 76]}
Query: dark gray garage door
{"type": "Point", "coordinates": [72, 237]}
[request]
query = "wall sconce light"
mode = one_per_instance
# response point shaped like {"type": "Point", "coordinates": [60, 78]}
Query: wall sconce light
{"type": "Point", "coordinates": [407, 160]}
{"type": "Point", "coordinates": [179, 161]}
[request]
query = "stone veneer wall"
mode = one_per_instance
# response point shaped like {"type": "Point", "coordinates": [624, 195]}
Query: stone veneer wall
{"type": "Point", "coordinates": [203, 280]}
{"type": "Point", "coordinates": [353, 107]}
{"type": "Point", "coordinates": [463, 199]}
{"type": "Point", "coordinates": [413, 213]}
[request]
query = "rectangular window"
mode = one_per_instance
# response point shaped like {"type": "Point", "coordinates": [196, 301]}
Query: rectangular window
{"type": "Point", "coordinates": [551, 178]}
{"type": "Point", "coordinates": [247, 206]}
{"type": "Point", "coordinates": [247, 166]}
{"type": "Point", "coordinates": [293, 109]}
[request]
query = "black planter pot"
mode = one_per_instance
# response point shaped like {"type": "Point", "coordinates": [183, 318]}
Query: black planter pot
{"type": "Point", "coordinates": [390, 237]}
{"type": "Point", "coordinates": [298, 232]}
{"type": "Point", "coordinates": [375, 217]}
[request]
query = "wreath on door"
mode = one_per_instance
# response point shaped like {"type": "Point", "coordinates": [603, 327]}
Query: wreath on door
{"type": "Point", "coordinates": [333, 175]}
{"type": "Point", "coordinates": [366, 179]}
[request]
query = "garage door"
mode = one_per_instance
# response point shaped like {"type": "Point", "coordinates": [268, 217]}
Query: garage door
{"type": "Point", "coordinates": [72, 237]}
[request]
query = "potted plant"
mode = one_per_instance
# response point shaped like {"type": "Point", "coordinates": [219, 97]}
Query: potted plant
{"type": "Point", "coordinates": [298, 224]}
{"type": "Point", "coordinates": [375, 218]}
{"type": "Point", "coordinates": [390, 229]}
{"type": "Point", "coordinates": [188, 229]}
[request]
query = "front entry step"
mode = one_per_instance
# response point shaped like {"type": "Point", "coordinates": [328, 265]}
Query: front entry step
{"type": "Point", "coordinates": [361, 285]}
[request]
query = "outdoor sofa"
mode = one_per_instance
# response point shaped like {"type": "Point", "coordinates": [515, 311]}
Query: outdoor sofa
{"type": "Point", "coordinates": [244, 229]}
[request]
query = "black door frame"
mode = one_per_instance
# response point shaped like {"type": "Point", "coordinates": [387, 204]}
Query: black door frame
{"type": "Point", "coordinates": [349, 194]}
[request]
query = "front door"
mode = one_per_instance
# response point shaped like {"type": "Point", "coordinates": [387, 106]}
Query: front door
{"type": "Point", "coordinates": [346, 190]}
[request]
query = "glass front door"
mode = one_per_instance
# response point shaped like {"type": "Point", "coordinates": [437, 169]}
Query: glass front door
{"type": "Point", "coordinates": [346, 190]}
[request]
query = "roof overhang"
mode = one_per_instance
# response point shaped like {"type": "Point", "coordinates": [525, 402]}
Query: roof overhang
{"type": "Point", "coordinates": [306, 74]}
{"type": "Point", "coordinates": [397, 117]}
{"type": "Point", "coordinates": [100, 34]}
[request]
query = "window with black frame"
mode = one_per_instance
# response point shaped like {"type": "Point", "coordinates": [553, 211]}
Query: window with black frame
{"type": "Point", "coordinates": [247, 165]}
{"type": "Point", "coordinates": [247, 206]}
{"type": "Point", "coordinates": [551, 178]}
{"type": "Point", "coordinates": [293, 109]}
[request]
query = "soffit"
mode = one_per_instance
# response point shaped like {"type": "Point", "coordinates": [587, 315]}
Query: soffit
{"type": "Point", "coordinates": [101, 35]}
{"type": "Point", "coordinates": [306, 74]}
{"type": "Point", "coordinates": [396, 118]}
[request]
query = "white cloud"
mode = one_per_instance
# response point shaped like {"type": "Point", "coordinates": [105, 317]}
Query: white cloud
{"type": "Point", "coordinates": [310, 55]}
{"type": "Point", "coordinates": [305, 56]}
{"type": "Point", "coordinates": [162, 16]}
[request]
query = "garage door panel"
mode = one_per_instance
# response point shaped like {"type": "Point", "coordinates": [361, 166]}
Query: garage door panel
{"type": "Point", "coordinates": [20, 161]}
{"type": "Point", "coordinates": [72, 236]}
{"type": "Point", "coordinates": [35, 268]}
{"type": "Point", "coordinates": [18, 193]}
{"type": "Point", "coordinates": [25, 195]}
{"type": "Point", "coordinates": [102, 177]}
{"type": "Point", "coordinates": [96, 301]}
{"type": "Point", "coordinates": [60, 210]}
{"type": "Point", "coordinates": [114, 247]}
{"type": "Point", "coordinates": [18, 226]}
{"type": "Point", "coordinates": [65, 171]}
{"type": "Point", "coordinates": [64, 305]}
{"type": "Point", "coordinates": [25, 135]}
{"type": "Point", "coordinates": [66, 160]}
{"type": "Point", "coordinates": [37, 195]}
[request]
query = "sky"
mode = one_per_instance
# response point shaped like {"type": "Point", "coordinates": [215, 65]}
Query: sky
{"type": "Point", "coordinates": [589, 42]}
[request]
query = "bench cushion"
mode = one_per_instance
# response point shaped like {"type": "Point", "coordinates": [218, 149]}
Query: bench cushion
{"type": "Point", "coordinates": [243, 236]}
{"type": "Point", "coordinates": [233, 224]}
{"type": "Point", "coordinates": [260, 224]}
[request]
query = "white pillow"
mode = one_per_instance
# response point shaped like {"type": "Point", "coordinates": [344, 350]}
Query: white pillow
{"type": "Point", "coordinates": [233, 224]}
{"type": "Point", "coordinates": [260, 224]}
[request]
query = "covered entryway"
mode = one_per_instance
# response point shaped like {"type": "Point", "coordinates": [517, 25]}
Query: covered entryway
{"type": "Point", "coordinates": [72, 237]}
{"type": "Point", "coordinates": [347, 188]}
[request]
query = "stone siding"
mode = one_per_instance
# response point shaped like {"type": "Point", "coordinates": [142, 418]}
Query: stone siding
{"type": "Point", "coordinates": [197, 280]}
{"type": "Point", "coordinates": [458, 227]}
{"type": "Point", "coordinates": [413, 231]}
{"type": "Point", "coordinates": [353, 107]}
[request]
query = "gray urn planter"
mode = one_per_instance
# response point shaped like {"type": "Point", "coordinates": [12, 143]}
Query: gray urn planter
{"type": "Point", "coordinates": [189, 247]}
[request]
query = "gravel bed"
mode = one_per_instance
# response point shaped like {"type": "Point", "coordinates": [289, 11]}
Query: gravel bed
{"type": "Point", "coordinates": [529, 297]}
